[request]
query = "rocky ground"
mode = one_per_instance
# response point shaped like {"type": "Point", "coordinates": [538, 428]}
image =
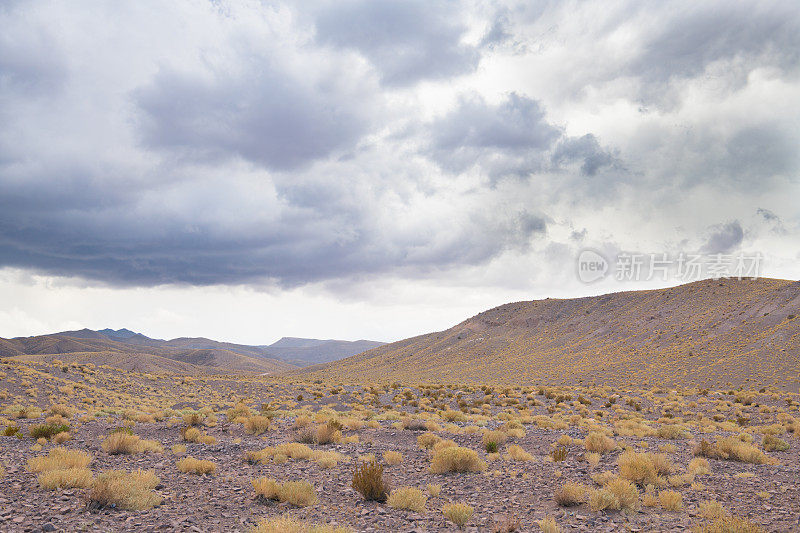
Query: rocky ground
{"type": "Point", "coordinates": [768, 495]}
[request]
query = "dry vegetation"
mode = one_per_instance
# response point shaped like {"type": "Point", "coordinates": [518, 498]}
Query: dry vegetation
{"type": "Point", "coordinates": [84, 446]}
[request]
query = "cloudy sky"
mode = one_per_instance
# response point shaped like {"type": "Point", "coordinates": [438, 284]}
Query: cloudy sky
{"type": "Point", "coordinates": [378, 169]}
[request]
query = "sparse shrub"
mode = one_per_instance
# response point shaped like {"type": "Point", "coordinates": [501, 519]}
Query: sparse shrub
{"type": "Point", "coordinates": [673, 431]}
{"type": "Point", "coordinates": [772, 443]}
{"type": "Point", "coordinates": [456, 459]}
{"type": "Point", "coordinates": [492, 440]}
{"type": "Point", "coordinates": [178, 449]}
{"type": "Point", "coordinates": [267, 489]}
{"type": "Point", "coordinates": [642, 468]}
{"type": "Point", "coordinates": [599, 443]}
{"type": "Point", "coordinates": [602, 499]}
{"type": "Point", "coordinates": [407, 498]}
{"type": "Point", "coordinates": [11, 431]}
{"type": "Point", "coordinates": [393, 458]}
{"type": "Point", "coordinates": [516, 453]}
{"type": "Point", "coordinates": [549, 525]}
{"type": "Point", "coordinates": [131, 491]}
{"type": "Point", "coordinates": [196, 466]}
{"type": "Point", "coordinates": [733, 449]}
{"type": "Point", "coordinates": [434, 490]}
{"type": "Point", "coordinates": [671, 500]}
{"type": "Point", "coordinates": [427, 440]}
{"type": "Point", "coordinates": [650, 497]}
{"type": "Point", "coordinates": [712, 509]}
{"type": "Point", "coordinates": [369, 482]}
{"type": "Point", "coordinates": [626, 493]}
{"type": "Point", "coordinates": [593, 458]}
{"type": "Point", "coordinates": [729, 524]}
{"type": "Point", "coordinates": [59, 459]}
{"type": "Point", "coordinates": [124, 443]}
{"type": "Point", "coordinates": [601, 478]}
{"type": "Point", "coordinates": [298, 493]}
{"type": "Point", "coordinates": [570, 493]}
{"type": "Point", "coordinates": [60, 438]}
{"type": "Point", "coordinates": [458, 513]}
{"type": "Point", "coordinates": [256, 425]}
{"type": "Point", "coordinates": [558, 454]}
{"type": "Point", "coordinates": [46, 431]}
{"type": "Point", "coordinates": [287, 524]}
{"type": "Point", "coordinates": [66, 478]}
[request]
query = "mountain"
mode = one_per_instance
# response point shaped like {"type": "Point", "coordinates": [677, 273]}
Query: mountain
{"type": "Point", "coordinates": [725, 332]}
{"type": "Point", "coordinates": [88, 346]}
{"type": "Point", "coordinates": [303, 352]}
{"type": "Point", "coordinates": [285, 354]}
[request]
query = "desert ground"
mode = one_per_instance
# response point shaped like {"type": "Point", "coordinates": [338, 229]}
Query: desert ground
{"type": "Point", "coordinates": [96, 448]}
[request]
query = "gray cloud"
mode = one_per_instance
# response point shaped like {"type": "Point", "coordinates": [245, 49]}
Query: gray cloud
{"type": "Point", "coordinates": [265, 115]}
{"type": "Point", "coordinates": [587, 151]}
{"type": "Point", "coordinates": [509, 138]}
{"type": "Point", "coordinates": [724, 238]}
{"type": "Point", "coordinates": [406, 40]}
{"type": "Point", "coordinates": [292, 144]}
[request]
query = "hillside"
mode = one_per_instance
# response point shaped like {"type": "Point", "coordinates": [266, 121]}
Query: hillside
{"type": "Point", "coordinates": [707, 333]}
{"type": "Point", "coordinates": [87, 346]}
{"type": "Point", "coordinates": [303, 352]}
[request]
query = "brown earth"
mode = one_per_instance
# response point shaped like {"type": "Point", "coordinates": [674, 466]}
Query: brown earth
{"type": "Point", "coordinates": [712, 333]}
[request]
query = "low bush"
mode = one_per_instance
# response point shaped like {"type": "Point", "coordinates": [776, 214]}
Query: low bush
{"type": "Point", "coordinates": [196, 466]}
{"type": "Point", "coordinates": [131, 491]}
{"type": "Point", "coordinates": [456, 459]}
{"type": "Point", "coordinates": [458, 513]}
{"type": "Point", "coordinates": [369, 482]}
{"type": "Point", "coordinates": [407, 498]}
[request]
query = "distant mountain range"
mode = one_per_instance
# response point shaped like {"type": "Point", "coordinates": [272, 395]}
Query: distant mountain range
{"type": "Point", "coordinates": [711, 333]}
{"type": "Point", "coordinates": [131, 350]}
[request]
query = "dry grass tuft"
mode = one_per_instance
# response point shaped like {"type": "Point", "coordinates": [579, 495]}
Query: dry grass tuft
{"type": "Point", "coordinates": [671, 500]}
{"type": "Point", "coordinates": [393, 458]}
{"type": "Point", "coordinates": [599, 443]}
{"type": "Point", "coordinates": [124, 443]}
{"type": "Point", "coordinates": [256, 425]}
{"type": "Point", "coordinates": [407, 498]}
{"type": "Point", "coordinates": [458, 513]}
{"type": "Point", "coordinates": [516, 453]}
{"type": "Point", "coordinates": [131, 491]}
{"type": "Point", "coordinates": [729, 524]}
{"type": "Point", "coordinates": [456, 459]}
{"type": "Point", "coordinates": [196, 466]}
{"type": "Point", "coordinates": [549, 525]}
{"type": "Point", "coordinates": [571, 493]}
{"type": "Point", "coordinates": [287, 524]}
{"type": "Point", "coordinates": [733, 449]}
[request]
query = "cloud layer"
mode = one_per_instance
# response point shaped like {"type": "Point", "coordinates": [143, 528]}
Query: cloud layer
{"type": "Point", "coordinates": [210, 143]}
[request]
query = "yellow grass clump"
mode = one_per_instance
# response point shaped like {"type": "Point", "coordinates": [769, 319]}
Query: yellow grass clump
{"type": "Point", "coordinates": [456, 459]}
{"type": "Point", "coordinates": [256, 425]}
{"type": "Point", "coordinates": [599, 443]}
{"type": "Point", "coordinates": [671, 500]}
{"type": "Point", "coordinates": [458, 513]}
{"type": "Point", "coordinates": [131, 491]}
{"type": "Point", "coordinates": [516, 453]}
{"type": "Point", "coordinates": [287, 524]}
{"type": "Point", "coordinates": [549, 525]}
{"type": "Point", "coordinates": [570, 493]}
{"type": "Point", "coordinates": [196, 466]}
{"type": "Point", "coordinates": [408, 498]}
{"type": "Point", "coordinates": [125, 443]}
{"type": "Point", "coordinates": [393, 458]}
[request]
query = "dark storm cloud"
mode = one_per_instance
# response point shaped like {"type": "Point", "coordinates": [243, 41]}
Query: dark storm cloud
{"type": "Point", "coordinates": [724, 238]}
{"type": "Point", "coordinates": [265, 115]}
{"type": "Point", "coordinates": [508, 138]}
{"type": "Point", "coordinates": [406, 40]}
{"type": "Point", "coordinates": [512, 138]}
{"type": "Point", "coordinates": [585, 150]}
